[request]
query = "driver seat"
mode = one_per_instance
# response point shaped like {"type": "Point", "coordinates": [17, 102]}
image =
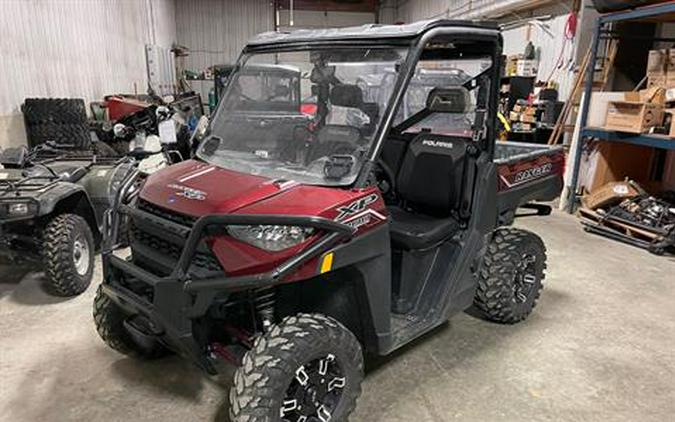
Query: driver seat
{"type": "Point", "coordinates": [430, 183]}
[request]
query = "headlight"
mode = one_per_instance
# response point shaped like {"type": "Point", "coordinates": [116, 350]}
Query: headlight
{"type": "Point", "coordinates": [18, 209]}
{"type": "Point", "coordinates": [271, 238]}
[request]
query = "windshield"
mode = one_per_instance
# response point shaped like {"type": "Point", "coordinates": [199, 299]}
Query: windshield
{"type": "Point", "coordinates": [307, 116]}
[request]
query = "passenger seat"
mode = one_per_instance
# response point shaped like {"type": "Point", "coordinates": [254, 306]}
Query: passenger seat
{"type": "Point", "coordinates": [430, 183]}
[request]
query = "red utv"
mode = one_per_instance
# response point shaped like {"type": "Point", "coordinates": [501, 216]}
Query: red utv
{"type": "Point", "coordinates": [292, 246]}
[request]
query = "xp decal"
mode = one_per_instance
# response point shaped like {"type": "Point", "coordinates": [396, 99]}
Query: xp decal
{"type": "Point", "coordinates": [363, 218]}
{"type": "Point", "coordinates": [355, 207]}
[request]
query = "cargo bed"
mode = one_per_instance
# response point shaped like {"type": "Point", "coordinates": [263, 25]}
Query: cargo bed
{"type": "Point", "coordinates": [527, 173]}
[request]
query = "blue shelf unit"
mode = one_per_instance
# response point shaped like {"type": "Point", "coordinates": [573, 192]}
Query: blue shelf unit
{"type": "Point", "coordinates": [664, 12]}
{"type": "Point", "coordinates": [653, 141]}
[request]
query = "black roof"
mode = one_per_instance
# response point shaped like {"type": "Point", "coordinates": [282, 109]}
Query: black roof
{"type": "Point", "coordinates": [365, 32]}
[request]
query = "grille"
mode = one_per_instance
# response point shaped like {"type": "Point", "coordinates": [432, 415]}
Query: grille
{"type": "Point", "coordinates": [204, 261]}
{"type": "Point", "coordinates": [182, 219]}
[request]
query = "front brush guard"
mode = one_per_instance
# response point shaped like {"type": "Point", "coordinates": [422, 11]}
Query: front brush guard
{"type": "Point", "coordinates": [179, 298]}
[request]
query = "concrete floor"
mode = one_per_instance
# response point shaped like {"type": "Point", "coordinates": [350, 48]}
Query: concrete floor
{"type": "Point", "coordinates": [599, 346]}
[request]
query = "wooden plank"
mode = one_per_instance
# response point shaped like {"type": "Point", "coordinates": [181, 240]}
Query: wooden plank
{"type": "Point", "coordinates": [567, 108]}
{"type": "Point", "coordinates": [627, 229]}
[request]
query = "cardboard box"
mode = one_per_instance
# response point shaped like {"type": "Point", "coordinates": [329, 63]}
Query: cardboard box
{"type": "Point", "coordinates": [527, 67]}
{"type": "Point", "coordinates": [597, 111]}
{"type": "Point", "coordinates": [669, 119]}
{"type": "Point", "coordinates": [670, 61]}
{"type": "Point", "coordinates": [512, 65]}
{"type": "Point", "coordinates": [610, 194]}
{"type": "Point", "coordinates": [528, 118]}
{"type": "Point", "coordinates": [657, 61]}
{"type": "Point", "coordinates": [659, 80]}
{"type": "Point", "coordinates": [655, 94]}
{"type": "Point", "coordinates": [670, 95]}
{"type": "Point", "coordinates": [633, 116]}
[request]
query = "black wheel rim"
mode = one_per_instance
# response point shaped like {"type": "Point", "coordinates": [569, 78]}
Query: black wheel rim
{"type": "Point", "coordinates": [525, 278]}
{"type": "Point", "coordinates": [315, 392]}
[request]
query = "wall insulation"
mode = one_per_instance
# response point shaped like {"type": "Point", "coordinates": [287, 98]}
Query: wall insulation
{"type": "Point", "coordinates": [557, 56]}
{"type": "Point", "coordinates": [310, 19]}
{"type": "Point", "coordinates": [414, 10]}
{"type": "Point", "coordinates": [75, 48]}
{"type": "Point", "coordinates": [549, 42]}
{"type": "Point", "coordinates": [215, 31]}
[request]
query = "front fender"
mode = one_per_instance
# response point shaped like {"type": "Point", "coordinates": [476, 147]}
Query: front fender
{"type": "Point", "coordinates": [67, 197]}
{"type": "Point", "coordinates": [50, 199]}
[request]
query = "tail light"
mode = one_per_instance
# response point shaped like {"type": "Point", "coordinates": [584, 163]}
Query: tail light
{"type": "Point", "coordinates": [308, 109]}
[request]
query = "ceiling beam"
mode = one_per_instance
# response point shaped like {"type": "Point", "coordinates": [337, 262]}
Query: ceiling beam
{"type": "Point", "coordinates": [363, 6]}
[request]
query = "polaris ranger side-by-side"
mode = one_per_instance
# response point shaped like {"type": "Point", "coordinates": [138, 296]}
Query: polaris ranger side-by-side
{"type": "Point", "coordinates": [295, 253]}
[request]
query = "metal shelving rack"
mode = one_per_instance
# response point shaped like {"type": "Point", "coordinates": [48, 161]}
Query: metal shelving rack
{"type": "Point", "coordinates": [664, 12]}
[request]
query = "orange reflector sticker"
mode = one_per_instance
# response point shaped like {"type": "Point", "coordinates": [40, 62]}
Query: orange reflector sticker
{"type": "Point", "coordinates": [327, 263]}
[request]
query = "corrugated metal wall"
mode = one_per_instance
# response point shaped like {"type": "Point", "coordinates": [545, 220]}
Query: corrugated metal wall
{"type": "Point", "coordinates": [74, 48]}
{"type": "Point", "coordinates": [549, 42]}
{"type": "Point", "coordinates": [557, 58]}
{"type": "Point", "coordinates": [215, 31]}
{"type": "Point", "coordinates": [414, 10]}
{"type": "Point", "coordinates": [310, 19]}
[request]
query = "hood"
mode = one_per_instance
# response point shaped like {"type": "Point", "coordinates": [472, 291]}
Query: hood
{"type": "Point", "coordinates": [197, 188]}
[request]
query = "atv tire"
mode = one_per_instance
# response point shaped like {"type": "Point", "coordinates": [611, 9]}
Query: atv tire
{"type": "Point", "coordinates": [61, 134]}
{"type": "Point", "coordinates": [68, 251]}
{"type": "Point", "coordinates": [312, 348]}
{"type": "Point", "coordinates": [511, 275]}
{"type": "Point", "coordinates": [109, 319]}
{"type": "Point", "coordinates": [39, 111]}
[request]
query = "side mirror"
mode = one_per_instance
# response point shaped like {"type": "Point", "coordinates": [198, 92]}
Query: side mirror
{"type": "Point", "coordinates": [456, 100]}
{"type": "Point", "coordinates": [14, 157]}
{"type": "Point", "coordinates": [211, 145]}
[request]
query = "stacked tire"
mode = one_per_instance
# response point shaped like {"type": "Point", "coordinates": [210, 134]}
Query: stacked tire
{"type": "Point", "coordinates": [60, 120]}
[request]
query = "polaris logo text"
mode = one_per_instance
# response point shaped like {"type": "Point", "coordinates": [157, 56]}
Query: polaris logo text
{"type": "Point", "coordinates": [430, 143]}
{"type": "Point", "coordinates": [188, 193]}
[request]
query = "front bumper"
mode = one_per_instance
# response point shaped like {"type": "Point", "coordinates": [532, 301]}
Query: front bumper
{"type": "Point", "coordinates": [16, 248]}
{"type": "Point", "coordinates": [169, 304]}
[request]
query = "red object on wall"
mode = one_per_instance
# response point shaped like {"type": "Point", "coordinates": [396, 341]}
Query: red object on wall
{"type": "Point", "coordinates": [119, 107]}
